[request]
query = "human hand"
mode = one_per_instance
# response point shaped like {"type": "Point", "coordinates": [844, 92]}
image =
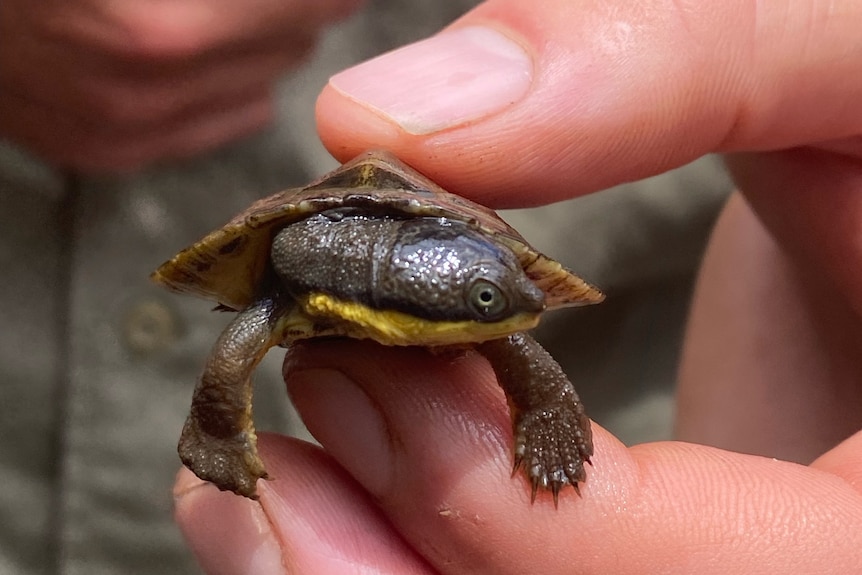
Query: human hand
{"type": "Point", "coordinates": [415, 477]}
{"type": "Point", "coordinates": [103, 86]}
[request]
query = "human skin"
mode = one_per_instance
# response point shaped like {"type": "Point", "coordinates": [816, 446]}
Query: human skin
{"type": "Point", "coordinates": [413, 474]}
{"type": "Point", "coordinates": [101, 86]}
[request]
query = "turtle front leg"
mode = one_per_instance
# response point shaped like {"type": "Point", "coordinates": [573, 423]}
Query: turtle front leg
{"type": "Point", "coordinates": [218, 442]}
{"type": "Point", "coordinates": [552, 431]}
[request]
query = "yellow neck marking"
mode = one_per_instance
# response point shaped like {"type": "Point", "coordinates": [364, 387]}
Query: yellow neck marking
{"type": "Point", "coordinates": [397, 328]}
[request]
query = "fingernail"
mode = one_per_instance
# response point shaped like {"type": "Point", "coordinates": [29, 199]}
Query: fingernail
{"type": "Point", "coordinates": [448, 80]}
{"type": "Point", "coordinates": [341, 416]}
{"type": "Point", "coordinates": [227, 533]}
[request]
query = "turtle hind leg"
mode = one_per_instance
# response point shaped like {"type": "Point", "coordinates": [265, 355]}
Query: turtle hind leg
{"type": "Point", "coordinates": [552, 432]}
{"type": "Point", "coordinates": [218, 442]}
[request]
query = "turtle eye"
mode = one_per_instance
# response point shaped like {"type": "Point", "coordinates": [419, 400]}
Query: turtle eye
{"type": "Point", "coordinates": [487, 299]}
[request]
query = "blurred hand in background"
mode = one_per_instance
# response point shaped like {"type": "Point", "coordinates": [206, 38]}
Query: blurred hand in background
{"type": "Point", "coordinates": [95, 85]}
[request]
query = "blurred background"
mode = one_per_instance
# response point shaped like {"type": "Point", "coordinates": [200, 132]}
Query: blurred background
{"type": "Point", "coordinates": [98, 365]}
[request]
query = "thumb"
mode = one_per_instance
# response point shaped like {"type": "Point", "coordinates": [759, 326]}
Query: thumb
{"type": "Point", "coordinates": [589, 94]}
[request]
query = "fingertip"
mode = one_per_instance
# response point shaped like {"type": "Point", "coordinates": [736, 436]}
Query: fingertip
{"type": "Point", "coordinates": [226, 533]}
{"type": "Point", "coordinates": [311, 518]}
{"type": "Point", "coordinates": [450, 442]}
{"type": "Point", "coordinates": [661, 506]}
{"type": "Point", "coordinates": [325, 520]}
{"type": "Point", "coordinates": [511, 95]}
{"type": "Point", "coordinates": [581, 97]}
{"type": "Point", "coordinates": [347, 128]}
{"type": "Point", "coordinates": [185, 482]}
{"type": "Point", "coordinates": [845, 461]}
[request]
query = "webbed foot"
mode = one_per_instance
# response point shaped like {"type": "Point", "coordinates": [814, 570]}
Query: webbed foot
{"type": "Point", "coordinates": [552, 445]}
{"type": "Point", "coordinates": [551, 430]}
{"type": "Point", "coordinates": [227, 458]}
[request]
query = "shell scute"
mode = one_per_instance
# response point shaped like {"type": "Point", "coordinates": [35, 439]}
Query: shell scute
{"type": "Point", "coordinates": [229, 264]}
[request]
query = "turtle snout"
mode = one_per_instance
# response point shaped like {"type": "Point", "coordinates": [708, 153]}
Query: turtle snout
{"type": "Point", "coordinates": [531, 298]}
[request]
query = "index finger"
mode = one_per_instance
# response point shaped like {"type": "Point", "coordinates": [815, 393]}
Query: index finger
{"type": "Point", "coordinates": [430, 440]}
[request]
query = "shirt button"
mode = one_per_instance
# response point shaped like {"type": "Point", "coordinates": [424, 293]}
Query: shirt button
{"type": "Point", "coordinates": [149, 326]}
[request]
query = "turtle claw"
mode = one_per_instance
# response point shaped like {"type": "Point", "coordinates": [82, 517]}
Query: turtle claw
{"type": "Point", "coordinates": [555, 489]}
{"type": "Point", "coordinates": [534, 482]}
{"type": "Point", "coordinates": [519, 460]}
{"type": "Point", "coordinates": [552, 447]}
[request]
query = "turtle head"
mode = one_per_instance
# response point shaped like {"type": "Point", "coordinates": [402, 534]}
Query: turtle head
{"type": "Point", "coordinates": [446, 271]}
{"type": "Point", "coordinates": [413, 281]}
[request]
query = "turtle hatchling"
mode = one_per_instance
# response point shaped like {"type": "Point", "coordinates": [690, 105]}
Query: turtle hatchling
{"type": "Point", "coordinates": [375, 250]}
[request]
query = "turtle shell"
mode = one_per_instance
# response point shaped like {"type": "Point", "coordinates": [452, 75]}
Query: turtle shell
{"type": "Point", "coordinates": [229, 264]}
